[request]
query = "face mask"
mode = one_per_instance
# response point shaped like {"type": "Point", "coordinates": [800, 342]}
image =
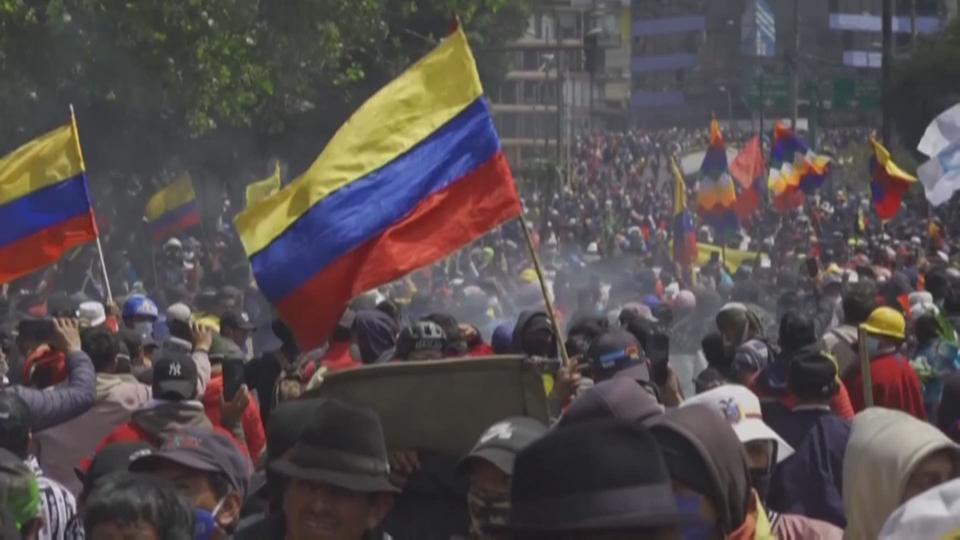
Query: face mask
{"type": "Point", "coordinates": [144, 328]}
{"type": "Point", "coordinates": [873, 347]}
{"type": "Point", "coordinates": [205, 522]}
{"type": "Point", "coordinates": [760, 480]}
{"type": "Point", "coordinates": [690, 504]}
{"type": "Point", "coordinates": [486, 512]}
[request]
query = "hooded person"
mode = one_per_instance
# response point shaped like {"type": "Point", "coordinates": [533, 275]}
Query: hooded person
{"type": "Point", "coordinates": [891, 458]}
{"type": "Point", "coordinates": [894, 383]}
{"type": "Point", "coordinates": [810, 482]}
{"type": "Point", "coordinates": [620, 397]}
{"type": "Point", "coordinates": [375, 335]}
{"type": "Point", "coordinates": [743, 341]}
{"type": "Point", "coordinates": [174, 405]}
{"type": "Point", "coordinates": [709, 468]}
{"type": "Point", "coordinates": [533, 335]}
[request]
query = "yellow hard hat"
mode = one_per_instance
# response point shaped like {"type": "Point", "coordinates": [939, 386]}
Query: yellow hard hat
{"type": "Point", "coordinates": [887, 322]}
{"type": "Point", "coordinates": [529, 275]}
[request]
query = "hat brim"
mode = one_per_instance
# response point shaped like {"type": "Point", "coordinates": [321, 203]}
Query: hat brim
{"type": "Point", "coordinates": [353, 482]}
{"type": "Point", "coordinates": [149, 461]}
{"type": "Point", "coordinates": [881, 332]}
{"type": "Point", "coordinates": [638, 507]}
{"type": "Point", "coordinates": [498, 457]}
{"type": "Point", "coordinates": [754, 429]}
{"type": "Point", "coordinates": [184, 389]}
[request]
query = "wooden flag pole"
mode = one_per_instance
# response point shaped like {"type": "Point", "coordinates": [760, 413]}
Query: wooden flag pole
{"type": "Point", "coordinates": [546, 295]}
{"type": "Point", "coordinates": [865, 374]}
{"type": "Point", "coordinates": [103, 263]}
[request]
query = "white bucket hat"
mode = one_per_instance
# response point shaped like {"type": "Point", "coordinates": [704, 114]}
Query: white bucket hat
{"type": "Point", "coordinates": [741, 408]}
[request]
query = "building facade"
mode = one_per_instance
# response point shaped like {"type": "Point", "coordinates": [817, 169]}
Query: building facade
{"type": "Point", "coordinates": [552, 91]}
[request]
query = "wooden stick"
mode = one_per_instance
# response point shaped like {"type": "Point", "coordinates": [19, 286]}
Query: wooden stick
{"type": "Point", "coordinates": [103, 263]}
{"type": "Point", "coordinates": [546, 296]}
{"type": "Point", "coordinates": [865, 375]}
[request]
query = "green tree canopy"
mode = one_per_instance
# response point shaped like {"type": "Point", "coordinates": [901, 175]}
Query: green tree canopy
{"type": "Point", "coordinates": [216, 86]}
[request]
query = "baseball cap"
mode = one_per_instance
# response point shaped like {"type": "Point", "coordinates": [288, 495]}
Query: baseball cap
{"type": "Point", "coordinates": [91, 314]}
{"type": "Point", "coordinates": [174, 376]}
{"type": "Point", "coordinates": [741, 407]}
{"type": "Point", "coordinates": [614, 351]}
{"type": "Point", "coordinates": [112, 458]}
{"type": "Point", "coordinates": [201, 449]}
{"type": "Point", "coordinates": [236, 319]}
{"type": "Point", "coordinates": [501, 443]}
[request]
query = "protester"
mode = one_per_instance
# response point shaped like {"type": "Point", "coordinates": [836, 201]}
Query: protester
{"type": "Point", "coordinates": [236, 326]}
{"type": "Point", "coordinates": [174, 404]}
{"type": "Point", "coordinates": [240, 414]}
{"type": "Point", "coordinates": [489, 468]}
{"type": "Point", "coordinates": [615, 485]}
{"type": "Point", "coordinates": [209, 471]}
{"type": "Point", "coordinates": [948, 413]}
{"type": "Point", "coordinates": [57, 504]}
{"type": "Point", "coordinates": [858, 303]}
{"type": "Point", "coordinates": [810, 482]}
{"type": "Point", "coordinates": [118, 396]}
{"type": "Point", "coordinates": [336, 479]}
{"type": "Point", "coordinates": [743, 341]}
{"type": "Point", "coordinates": [895, 384]}
{"type": "Point", "coordinates": [375, 334]}
{"type": "Point", "coordinates": [932, 514]}
{"type": "Point", "coordinates": [620, 397]}
{"type": "Point", "coordinates": [709, 468]}
{"type": "Point", "coordinates": [127, 505]}
{"type": "Point", "coordinates": [891, 457]}
{"type": "Point", "coordinates": [63, 402]}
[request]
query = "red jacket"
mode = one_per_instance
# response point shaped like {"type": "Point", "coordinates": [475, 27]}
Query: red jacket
{"type": "Point", "coordinates": [251, 421]}
{"type": "Point", "coordinates": [840, 403]}
{"type": "Point", "coordinates": [895, 386]}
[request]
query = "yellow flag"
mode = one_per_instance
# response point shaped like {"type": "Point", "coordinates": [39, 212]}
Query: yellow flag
{"type": "Point", "coordinates": [679, 189]}
{"type": "Point", "coordinates": [261, 189]}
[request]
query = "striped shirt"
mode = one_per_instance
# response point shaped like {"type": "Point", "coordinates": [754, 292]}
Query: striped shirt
{"type": "Point", "coordinates": [57, 505]}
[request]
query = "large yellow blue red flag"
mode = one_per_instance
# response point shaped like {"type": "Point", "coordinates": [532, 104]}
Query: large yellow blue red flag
{"type": "Point", "coordinates": [261, 189]}
{"type": "Point", "coordinates": [416, 173]}
{"type": "Point", "coordinates": [889, 182]}
{"type": "Point", "coordinates": [173, 209]}
{"type": "Point", "coordinates": [44, 203]}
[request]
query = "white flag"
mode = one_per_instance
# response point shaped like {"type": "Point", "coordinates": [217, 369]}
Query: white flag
{"type": "Point", "coordinates": [944, 129]}
{"type": "Point", "coordinates": [941, 175]}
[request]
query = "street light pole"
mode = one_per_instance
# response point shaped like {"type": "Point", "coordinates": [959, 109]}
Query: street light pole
{"type": "Point", "coordinates": [886, 70]}
{"type": "Point", "coordinates": [795, 67]}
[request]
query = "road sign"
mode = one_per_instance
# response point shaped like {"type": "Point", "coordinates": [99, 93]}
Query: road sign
{"type": "Point", "coordinates": [775, 91]}
{"type": "Point", "coordinates": [856, 94]}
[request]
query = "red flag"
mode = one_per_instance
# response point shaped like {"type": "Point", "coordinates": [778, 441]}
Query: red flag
{"type": "Point", "coordinates": [749, 164]}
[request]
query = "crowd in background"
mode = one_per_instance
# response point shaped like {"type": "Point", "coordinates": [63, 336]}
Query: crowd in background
{"type": "Point", "coordinates": [724, 402]}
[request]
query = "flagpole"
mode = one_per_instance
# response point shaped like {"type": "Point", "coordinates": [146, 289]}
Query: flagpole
{"type": "Point", "coordinates": [543, 290]}
{"type": "Point", "coordinates": [103, 263]}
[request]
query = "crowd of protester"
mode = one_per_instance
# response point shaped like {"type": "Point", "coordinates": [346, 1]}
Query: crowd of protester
{"type": "Point", "coordinates": [724, 402]}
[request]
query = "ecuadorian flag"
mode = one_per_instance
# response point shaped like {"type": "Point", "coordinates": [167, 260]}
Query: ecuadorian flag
{"type": "Point", "coordinates": [173, 209]}
{"type": "Point", "coordinates": [44, 203]}
{"type": "Point", "coordinates": [415, 173]}
{"type": "Point", "coordinates": [889, 182]}
{"type": "Point", "coordinates": [716, 195]}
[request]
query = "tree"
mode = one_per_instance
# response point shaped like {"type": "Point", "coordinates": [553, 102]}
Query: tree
{"type": "Point", "coordinates": [215, 86]}
{"type": "Point", "coordinates": [926, 83]}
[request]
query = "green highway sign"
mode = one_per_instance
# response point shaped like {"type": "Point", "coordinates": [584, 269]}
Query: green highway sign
{"type": "Point", "coordinates": [856, 94]}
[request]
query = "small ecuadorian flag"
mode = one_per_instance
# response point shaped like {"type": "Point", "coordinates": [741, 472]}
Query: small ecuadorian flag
{"type": "Point", "coordinates": [173, 209]}
{"type": "Point", "coordinates": [44, 203]}
{"type": "Point", "coordinates": [888, 183]}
